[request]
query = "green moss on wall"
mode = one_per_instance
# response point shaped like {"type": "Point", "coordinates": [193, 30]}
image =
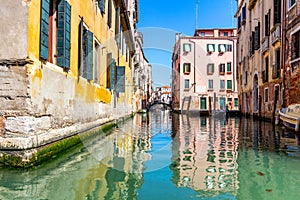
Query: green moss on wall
{"type": "Point", "coordinates": [53, 150]}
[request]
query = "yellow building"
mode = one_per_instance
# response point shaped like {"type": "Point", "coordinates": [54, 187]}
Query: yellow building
{"type": "Point", "coordinates": [65, 65]}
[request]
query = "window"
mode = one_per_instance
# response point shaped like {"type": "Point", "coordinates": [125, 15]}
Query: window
{"type": "Point", "coordinates": [239, 22]}
{"type": "Point", "coordinates": [229, 84]}
{"type": "Point", "coordinates": [222, 48]}
{"type": "Point", "coordinates": [229, 47]}
{"type": "Point", "coordinates": [187, 47]}
{"type": "Point", "coordinates": [244, 14]}
{"type": "Point", "coordinates": [186, 68]}
{"type": "Point", "coordinates": [267, 23]}
{"type": "Point", "coordinates": [86, 52]}
{"type": "Point", "coordinates": [295, 45]}
{"type": "Point", "coordinates": [265, 73]}
{"type": "Point", "coordinates": [277, 11]}
{"type": "Point", "coordinates": [55, 34]}
{"type": "Point", "coordinates": [109, 16]}
{"type": "Point", "coordinates": [210, 48]}
{"type": "Point", "coordinates": [178, 68]}
{"type": "Point", "coordinates": [266, 94]}
{"type": "Point", "coordinates": [203, 103]}
{"type": "Point", "coordinates": [202, 34]}
{"type": "Point", "coordinates": [236, 102]}
{"type": "Point", "coordinates": [291, 3]}
{"type": "Point", "coordinates": [210, 84]}
{"type": "Point", "coordinates": [222, 84]}
{"type": "Point", "coordinates": [97, 62]}
{"type": "Point", "coordinates": [226, 34]}
{"type": "Point", "coordinates": [246, 77]}
{"type": "Point", "coordinates": [257, 37]}
{"type": "Point", "coordinates": [276, 67]}
{"type": "Point", "coordinates": [229, 67]}
{"type": "Point", "coordinates": [186, 84]}
{"type": "Point", "coordinates": [222, 103]}
{"type": "Point", "coordinates": [111, 72]}
{"type": "Point", "coordinates": [120, 82]}
{"type": "Point", "coordinates": [222, 68]}
{"type": "Point", "coordinates": [210, 68]}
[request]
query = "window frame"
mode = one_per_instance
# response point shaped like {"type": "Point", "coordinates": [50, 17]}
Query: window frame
{"type": "Point", "coordinates": [187, 47]}
{"type": "Point", "coordinates": [186, 68]}
{"type": "Point", "coordinates": [186, 84]}
{"type": "Point", "coordinates": [227, 84]}
{"type": "Point", "coordinates": [229, 66]}
{"type": "Point", "coordinates": [210, 84]}
{"type": "Point", "coordinates": [222, 68]}
{"type": "Point", "coordinates": [222, 85]}
{"type": "Point", "coordinates": [210, 68]}
{"type": "Point", "coordinates": [266, 95]}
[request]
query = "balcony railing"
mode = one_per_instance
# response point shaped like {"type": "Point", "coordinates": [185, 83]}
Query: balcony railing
{"type": "Point", "coordinates": [265, 45]}
{"type": "Point", "coordinates": [276, 34]}
{"type": "Point", "coordinates": [276, 71]}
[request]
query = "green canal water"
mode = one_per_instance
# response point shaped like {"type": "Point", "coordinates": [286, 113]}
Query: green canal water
{"type": "Point", "coordinates": [161, 155]}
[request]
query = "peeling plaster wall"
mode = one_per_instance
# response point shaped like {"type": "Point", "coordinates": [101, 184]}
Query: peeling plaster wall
{"type": "Point", "coordinates": [13, 29]}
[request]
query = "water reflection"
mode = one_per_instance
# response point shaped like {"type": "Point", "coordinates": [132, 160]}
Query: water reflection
{"type": "Point", "coordinates": [161, 155]}
{"type": "Point", "coordinates": [204, 155]}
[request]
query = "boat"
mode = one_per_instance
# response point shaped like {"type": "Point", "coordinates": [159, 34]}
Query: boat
{"type": "Point", "coordinates": [290, 117]}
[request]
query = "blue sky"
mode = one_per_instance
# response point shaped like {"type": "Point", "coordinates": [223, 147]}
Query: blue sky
{"type": "Point", "coordinates": [159, 20]}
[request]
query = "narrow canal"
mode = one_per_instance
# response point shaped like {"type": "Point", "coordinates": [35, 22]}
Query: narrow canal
{"type": "Point", "coordinates": [161, 155]}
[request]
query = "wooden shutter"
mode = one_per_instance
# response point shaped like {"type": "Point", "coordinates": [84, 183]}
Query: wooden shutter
{"type": "Point", "coordinates": [64, 34]}
{"type": "Point", "coordinates": [80, 48]}
{"type": "Point", "coordinates": [120, 79]}
{"type": "Point", "coordinates": [112, 73]}
{"type": "Point", "coordinates": [277, 11]}
{"type": "Point", "coordinates": [109, 17]}
{"type": "Point", "coordinates": [256, 38]}
{"type": "Point", "coordinates": [44, 32]}
{"type": "Point", "coordinates": [101, 5]}
{"type": "Point", "coordinates": [89, 55]}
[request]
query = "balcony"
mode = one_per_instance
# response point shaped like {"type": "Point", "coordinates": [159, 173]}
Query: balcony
{"type": "Point", "coordinates": [275, 34]}
{"type": "Point", "coordinates": [276, 71]}
{"type": "Point", "coordinates": [265, 44]}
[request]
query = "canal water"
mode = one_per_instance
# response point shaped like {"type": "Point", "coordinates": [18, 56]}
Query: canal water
{"type": "Point", "coordinates": [161, 155]}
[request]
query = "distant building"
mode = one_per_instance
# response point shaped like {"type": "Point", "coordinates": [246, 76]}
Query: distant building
{"type": "Point", "coordinates": [165, 94]}
{"type": "Point", "coordinates": [142, 73]}
{"type": "Point", "coordinates": [204, 71]}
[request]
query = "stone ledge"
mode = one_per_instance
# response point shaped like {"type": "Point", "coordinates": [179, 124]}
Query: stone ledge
{"type": "Point", "coordinates": [37, 140]}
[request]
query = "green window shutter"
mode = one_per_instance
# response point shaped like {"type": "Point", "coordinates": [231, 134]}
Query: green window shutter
{"type": "Point", "coordinates": [203, 103]}
{"type": "Point", "coordinates": [101, 5]}
{"type": "Point", "coordinates": [64, 34]}
{"type": "Point", "coordinates": [112, 73]}
{"type": "Point", "coordinates": [228, 67]}
{"type": "Point", "coordinates": [44, 32]}
{"type": "Point", "coordinates": [80, 48]}
{"type": "Point", "coordinates": [236, 102]}
{"type": "Point", "coordinates": [120, 79]}
{"type": "Point", "coordinates": [229, 84]}
{"type": "Point", "coordinates": [89, 55]}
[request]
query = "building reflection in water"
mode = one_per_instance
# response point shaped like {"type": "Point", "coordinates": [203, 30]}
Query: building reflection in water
{"type": "Point", "coordinates": [122, 155]}
{"type": "Point", "coordinates": [268, 161]}
{"type": "Point", "coordinates": [216, 157]}
{"type": "Point", "coordinates": [205, 153]}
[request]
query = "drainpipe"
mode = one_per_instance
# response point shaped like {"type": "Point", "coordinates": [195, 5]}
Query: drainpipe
{"type": "Point", "coordinates": [283, 47]}
{"type": "Point", "coordinates": [194, 84]}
